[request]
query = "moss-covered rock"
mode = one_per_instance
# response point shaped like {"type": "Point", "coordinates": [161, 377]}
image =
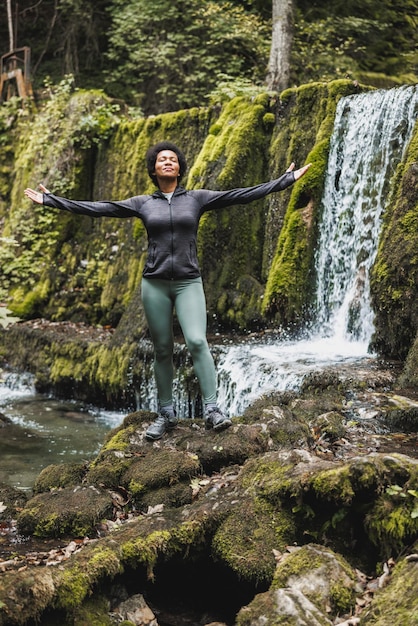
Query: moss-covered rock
{"type": "Point", "coordinates": [285, 427]}
{"type": "Point", "coordinates": [59, 476]}
{"type": "Point", "coordinates": [230, 242]}
{"type": "Point", "coordinates": [246, 540]}
{"type": "Point", "coordinates": [323, 576]}
{"type": "Point", "coordinates": [311, 584]}
{"type": "Point", "coordinates": [282, 607]}
{"type": "Point", "coordinates": [67, 512]}
{"type": "Point", "coordinates": [159, 468]}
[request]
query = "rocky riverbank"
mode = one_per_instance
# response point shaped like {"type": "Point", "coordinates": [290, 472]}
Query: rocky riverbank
{"type": "Point", "coordinates": [304, 512]}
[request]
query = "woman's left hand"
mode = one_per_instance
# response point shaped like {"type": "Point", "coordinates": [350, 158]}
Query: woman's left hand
{"type": "Point", "coordinates": [300, 172]}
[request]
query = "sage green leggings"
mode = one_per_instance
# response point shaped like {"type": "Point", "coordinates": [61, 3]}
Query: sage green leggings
{"type": "Point", "coordinates": [160, 297]}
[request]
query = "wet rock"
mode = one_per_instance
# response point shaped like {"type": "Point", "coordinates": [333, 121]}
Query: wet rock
{"type": "Point", "coordinates": [136, 611]}
{"type": "Point", "coordinates": [4, 420]}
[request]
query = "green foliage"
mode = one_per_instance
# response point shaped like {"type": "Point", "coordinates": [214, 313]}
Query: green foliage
{"type": "Point", "coordinates": [348, 36]}
{"type": "Point", "coordinates": [166, 55]}
{"type": "Point", "coordinates": [410, 495]}
{"type": "Point", "coordinates": [227, 88]}
{"type": "Point", "coordinates": [52, 149]}
{"type": "Point", "coordinates": [330, 48]}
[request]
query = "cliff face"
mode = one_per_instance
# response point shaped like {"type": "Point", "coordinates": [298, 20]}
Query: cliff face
{"type": "Point", "coordinates": [394, 279]}
{"type": "Point", "coordinates": [257, 261]}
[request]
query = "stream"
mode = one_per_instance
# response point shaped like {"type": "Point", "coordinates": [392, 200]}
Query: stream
{"type": "Point", "coordinates": [45, 431]}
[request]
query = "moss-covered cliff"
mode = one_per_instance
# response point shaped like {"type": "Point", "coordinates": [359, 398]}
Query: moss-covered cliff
{"type": "Point", "coordinates": [394, 280]}
{"type": "Point", "coordinates": [75, 268]}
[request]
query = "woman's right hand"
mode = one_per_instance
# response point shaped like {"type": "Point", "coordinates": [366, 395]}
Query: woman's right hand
{"type": "Point", "coordinates": [36, 196]}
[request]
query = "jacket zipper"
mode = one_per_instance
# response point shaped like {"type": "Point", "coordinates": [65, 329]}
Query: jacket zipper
{"type": "Point", "coordinates": [172, 237]}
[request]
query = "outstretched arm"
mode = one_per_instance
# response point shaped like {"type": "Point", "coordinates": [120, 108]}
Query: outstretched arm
{"type": "Point", "coordinates": [103, 208]}
{"type": "Point", "coordinates": [36, 196]}
{"type": "Point", "coordinates": [220, 199]}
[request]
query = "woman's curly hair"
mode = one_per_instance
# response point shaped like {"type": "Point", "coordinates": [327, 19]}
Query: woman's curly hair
{"type": "Point", "coordinates": [152, 154]}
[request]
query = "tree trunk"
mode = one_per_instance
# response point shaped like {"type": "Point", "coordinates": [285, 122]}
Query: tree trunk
{"type": "Point", "coordinates": [10, 24]}
{"type": "Point", "coordinates": [281, 44]}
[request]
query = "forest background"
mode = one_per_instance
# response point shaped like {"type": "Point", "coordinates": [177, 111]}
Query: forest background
{"type": "Point", "coordinates": [161, 56]}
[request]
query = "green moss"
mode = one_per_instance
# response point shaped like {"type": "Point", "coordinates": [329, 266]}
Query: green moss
{"type": "Point", "coordinates": [334, 484]}
{"type": "Point", "coordinates": [107, 470]}
{"type": "Point", "coordinates": [137, 489]}
{"type": "Point", "coordinates": [342, 598]}
{"type": "Point", "coordinates": [59, 476]}
{"type": "Point", "coordinates": [188, 535]}
{"type": "Point", "coordinates": [395, 272]}
{"type": "Point", "coordinates": [158, 468]}
{"type": "Point", "coordinates": [73, 587]}
{"type": "Point", "coordinates": [145, 550]}
{"type": "Point", "coordinates": [246, 539]}
{"type": "Point", "coordinates": [104, 562]}
{"type": "Point", "coordinates": [65, 512]}
{"type": "Point", "coordinates": [76, 583]}
{"type": "Point", "coordinates": [271, 479]}
{"type": "Point", "coordinates": [390, 524]}
{"type": "Point", "coordinates": [119, 441]}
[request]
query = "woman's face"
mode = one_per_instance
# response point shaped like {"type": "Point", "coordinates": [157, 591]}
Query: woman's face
{"type": "Point", "coordinates": [167, 165]}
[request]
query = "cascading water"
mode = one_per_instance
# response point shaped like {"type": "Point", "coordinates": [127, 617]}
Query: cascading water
{"type": "Point", "coordinates": [371, 133]}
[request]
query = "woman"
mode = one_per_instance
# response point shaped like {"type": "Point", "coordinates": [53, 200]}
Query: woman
{"type": "Point", "coordinates": [171, 277]}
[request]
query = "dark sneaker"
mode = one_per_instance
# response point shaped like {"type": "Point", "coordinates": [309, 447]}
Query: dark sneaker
{"type": "Point", "coordinates": [165, 421]}
{"type": "Point", "coordinates": [216, 419]}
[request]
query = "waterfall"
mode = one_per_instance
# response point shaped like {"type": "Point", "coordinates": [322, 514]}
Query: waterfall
{"type": "Point", "coordinates": [371, 133]}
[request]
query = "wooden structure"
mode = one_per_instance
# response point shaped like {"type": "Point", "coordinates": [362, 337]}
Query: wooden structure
{"type": "Point", "coordinates": [15, 74]}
